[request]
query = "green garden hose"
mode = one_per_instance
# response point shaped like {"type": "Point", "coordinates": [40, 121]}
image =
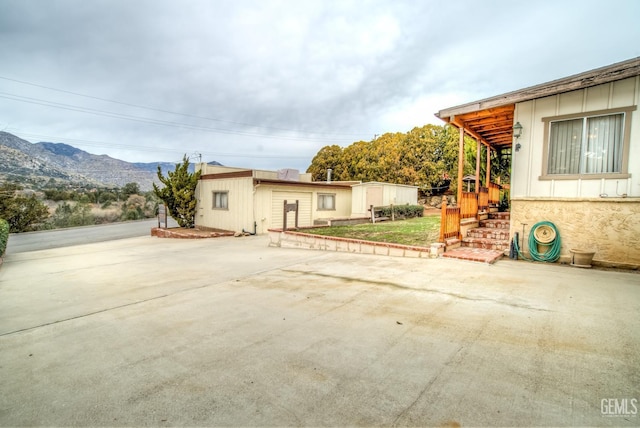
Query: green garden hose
{"type": "Point", "coordinates": [545, 234]}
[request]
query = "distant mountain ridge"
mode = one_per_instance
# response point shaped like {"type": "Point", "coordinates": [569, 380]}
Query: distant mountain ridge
{"type": "Point", "coordinates": [40, 162]}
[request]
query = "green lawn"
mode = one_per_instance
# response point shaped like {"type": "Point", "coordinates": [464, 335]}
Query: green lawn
{"type": "Point", "coordinates": [421, 231]}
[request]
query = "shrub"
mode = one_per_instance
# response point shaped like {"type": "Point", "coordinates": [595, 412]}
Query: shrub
{"type": "Point", "coordinates": [403, 211]}
{"type": "Point", "coordinates": [4, 236]}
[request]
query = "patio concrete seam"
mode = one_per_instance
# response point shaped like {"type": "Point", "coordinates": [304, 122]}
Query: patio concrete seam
{"type": "Point", "coordinates": [83, 315]}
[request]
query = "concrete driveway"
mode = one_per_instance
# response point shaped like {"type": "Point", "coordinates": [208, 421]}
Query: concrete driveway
{"type": "Point", "coordinates": [160, 332]}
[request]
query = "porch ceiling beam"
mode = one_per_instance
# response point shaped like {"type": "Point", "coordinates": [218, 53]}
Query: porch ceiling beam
{"type": "Point", "coordinates": [490, 112]}
{"type": "Point", "coordinates": [507, 136]}
{"type": "Point", "coordinates": [461, 125]}
{"type": "Point", "coordinates": [487, 133]}
{"type": "Point", "coordinates": [490, 132]}
{"type": "Point", "coordinates": [502, 143]}
{"type": "Point", "coordinates": [491, 120]}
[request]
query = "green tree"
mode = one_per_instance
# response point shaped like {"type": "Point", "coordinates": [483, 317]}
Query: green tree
{"type": "Point", "coordinates": [134, 208]}
{"type": "Point", "coordinates": [178, 193]}
{"type": "Point", "coordinates": [23, 213]}
{"type": "Point", "coordinates": [130, 189]}
{"type": "Point", "coordinates": [422, 157]}
{"type": "Point", "coordinates": [329, 157]}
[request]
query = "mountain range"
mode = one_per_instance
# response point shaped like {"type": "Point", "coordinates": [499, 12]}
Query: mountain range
{"type": "Point", "coordinates": [39, 163]}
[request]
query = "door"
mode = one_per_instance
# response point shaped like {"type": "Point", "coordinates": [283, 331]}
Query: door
{"type": "Point", "coordinates": [374, 196]}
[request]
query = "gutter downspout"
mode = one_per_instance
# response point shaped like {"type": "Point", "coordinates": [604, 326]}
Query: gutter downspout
{"type": "Point", "coordinates": [255, 224]}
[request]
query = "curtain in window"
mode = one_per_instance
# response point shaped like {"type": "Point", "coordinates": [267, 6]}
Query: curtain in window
{"type": "Point", "coordinates": [603, 151]}
{"type": "Point", "coordinates": [564, 147]}
{"type": "Point", "coordinates": [220, 200]}
{"type": "Point", "coordinates": [326, 202]}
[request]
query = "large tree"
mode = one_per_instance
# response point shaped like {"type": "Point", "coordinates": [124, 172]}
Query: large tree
{"type": "Point", "coordinates": [421, 157]}
{"type": "Point", "coordinates": [178, 193]}
{"type": "Point", "coordinates": [329, 157]}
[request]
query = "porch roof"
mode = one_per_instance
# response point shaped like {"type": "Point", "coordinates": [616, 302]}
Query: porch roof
{"type": "Point", "coordinates": [490, 120]}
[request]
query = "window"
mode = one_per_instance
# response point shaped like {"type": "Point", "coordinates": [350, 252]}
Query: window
{"type": "Point", "coordinates": [326, 201]}
{"type": "Point", "coordinates": [220, 200]}
{"type": "Point", "coordinates": [587, 146]}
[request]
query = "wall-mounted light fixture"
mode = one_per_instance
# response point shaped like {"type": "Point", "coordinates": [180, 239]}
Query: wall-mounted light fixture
{"type": "Point", "coordinates": [517, 132]}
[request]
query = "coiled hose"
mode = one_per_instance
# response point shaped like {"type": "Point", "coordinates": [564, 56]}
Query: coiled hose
{"type": "Point", "coordinates": [551, 246]}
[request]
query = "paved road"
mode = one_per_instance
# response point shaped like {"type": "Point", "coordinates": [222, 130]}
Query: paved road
{"type": "Point", "coordinates": [230, 332]}
{"type": "Point", "coordinates": [43, 240]}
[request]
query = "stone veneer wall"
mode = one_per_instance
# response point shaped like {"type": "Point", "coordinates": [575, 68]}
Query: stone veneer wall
{"type": "Point", "coordinates": [608, 226]}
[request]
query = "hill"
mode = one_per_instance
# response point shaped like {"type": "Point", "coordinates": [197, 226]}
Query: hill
{"type": "Point", "coordinates": [37, 164]}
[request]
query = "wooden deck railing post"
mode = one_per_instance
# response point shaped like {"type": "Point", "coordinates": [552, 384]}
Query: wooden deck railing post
{"type": "Point", "coordinates": [443, 218]}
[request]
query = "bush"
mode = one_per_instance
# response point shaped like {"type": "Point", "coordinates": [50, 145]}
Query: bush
{"type": "Point", "coordinates": [4, 236]}
{"type": "Point", "coordinates": [403, 211]}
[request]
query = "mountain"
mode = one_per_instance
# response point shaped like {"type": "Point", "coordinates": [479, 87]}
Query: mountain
{"type": "Point", "coordinates": [40, 162]}
{"type": "Point", "coordinates": [165, 166]}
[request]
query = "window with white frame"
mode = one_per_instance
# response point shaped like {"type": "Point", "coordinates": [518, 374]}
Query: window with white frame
{"type": "Point", "coordinates": [326, 201]}
{"type": "Point", "coordinates": [220, 200]}
{"type": "Point", "coordinates": [587, 145]}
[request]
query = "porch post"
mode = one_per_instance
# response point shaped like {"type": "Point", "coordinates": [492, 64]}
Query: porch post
{"type": "Point", "coordinates": [460, 165]}
{"type": "Point", "coordinates": [478, 153]}
{"type": "Point", "coordinates": [488, 173]}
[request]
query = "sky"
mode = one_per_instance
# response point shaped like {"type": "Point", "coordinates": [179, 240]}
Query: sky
{"type": "Point", "coordinates": [265, 84]}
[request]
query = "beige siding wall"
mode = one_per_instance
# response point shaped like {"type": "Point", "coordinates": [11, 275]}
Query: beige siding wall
{"type": "Point", "coordinates": [304, 208]}
{"type": "Point", "coordinates": [391, 194]}
{"type": "Point", "coordinates": [342, 207]}
{"type": "Point", "coordinates": [527, 164]}
{"type": "Point", "coordinates": [240, 213]}
{"type": "Point", "coordinates": [269, 205]}
{"type": "Point", "coordinates": [610, 228]}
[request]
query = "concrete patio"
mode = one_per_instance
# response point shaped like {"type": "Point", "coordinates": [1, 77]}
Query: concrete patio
{"type": "Point", "coordinates": [227, 331]}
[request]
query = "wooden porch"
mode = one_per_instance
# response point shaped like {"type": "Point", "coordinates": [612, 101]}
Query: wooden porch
{"type": "Point", "coordinates": [492, 129]}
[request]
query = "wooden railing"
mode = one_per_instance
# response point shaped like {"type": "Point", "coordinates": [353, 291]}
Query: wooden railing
{"type": "Point", "coordinates": [449, 222]}
{"type": "Point", "coordinates": [468, 205]}
{"type": "Point", "coordinates": [494, 193]}
{"type": "Point", "coordinates": [483, 199]}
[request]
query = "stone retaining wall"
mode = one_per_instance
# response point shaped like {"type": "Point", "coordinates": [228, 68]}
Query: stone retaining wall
{"type": "Point", "coordinates": [290, 239]}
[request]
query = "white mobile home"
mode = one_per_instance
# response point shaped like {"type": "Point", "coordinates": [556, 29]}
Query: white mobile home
{"type": "Point", "coordinates": [575, 157]}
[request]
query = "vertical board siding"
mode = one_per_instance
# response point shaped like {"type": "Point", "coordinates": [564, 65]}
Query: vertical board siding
{"type": "Point", "coordinates": [527, 164]}
{"type": "Point", "coordinates": [240, 213]}
{"type": "Point", "coordinates": [304, 208]}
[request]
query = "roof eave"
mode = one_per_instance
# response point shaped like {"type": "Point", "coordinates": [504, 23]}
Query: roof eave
{"type": "Point", "coordinates": [598, 76]}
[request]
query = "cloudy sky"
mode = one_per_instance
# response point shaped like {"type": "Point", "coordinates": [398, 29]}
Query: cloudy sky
{"type": "Point", "coordinates": [266, 84]}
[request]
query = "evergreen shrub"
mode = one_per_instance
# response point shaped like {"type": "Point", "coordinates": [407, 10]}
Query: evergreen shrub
{"type": "Point", "coordinates": [4, 236]}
